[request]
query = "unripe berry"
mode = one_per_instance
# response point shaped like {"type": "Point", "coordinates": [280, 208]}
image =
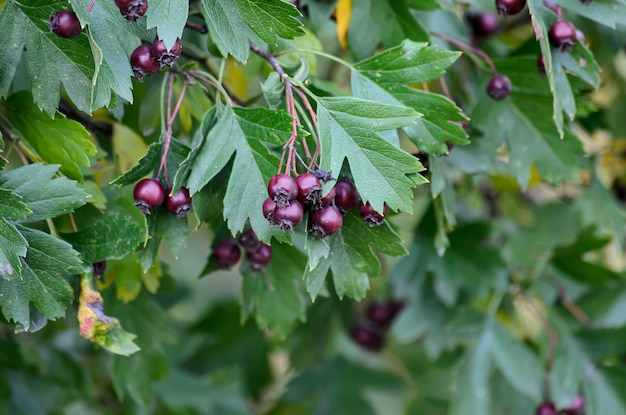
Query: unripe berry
{"type": "Point", "coordinates": [179, 203]}
{"type": "Point", "coordinates": [143, 61]}
{"type": "Point", "coordinates": [346, 196]}
{"type": "Point", "coordinates": [64, 24]}
{"type": "Point", "coordinates": [164, 56]}
{"type": "Point", "coordinates": [562, 35]}
{"type": "Point", "coordinates": [226, 253]}
{"type": "Point", "coordinates": [499, 87]}
{"type": "Point", "coordinates": [132, 10]}
{"type": "Point", "coordinates": [260, 258]}
{"type": "Point", "coordinates": [149, 194]}
{"type": "Point", "coordinates": [282, 189]}
{"type": "Point", "coordinates": [510, 7]}
{"type": "Point", "coordinates": [290, 216]}
{"type": "Point", "coordinates": [325, 222]}
{"type": "Point", "coordinates": [370, 216]}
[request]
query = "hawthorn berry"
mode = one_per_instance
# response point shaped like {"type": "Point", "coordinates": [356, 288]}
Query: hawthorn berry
{"type": "Point", "coordinates": [546, 408]}
{"type": "Point", "coordinates": [226, 253]}
{"type": "Point", "coordinates": [577, 407]}
{"type": "Point", "coordinates": [499, 87]}
{"type": "Point", "coordinates": [259, 258]}
{"type": "Point", "coordinates": [325, 222]}
{"type": "Point", "coordinates": [99, 267]}
{"type": "Point", "coordinates": [65, 24]}
{"type": "Point", "coordinates": [370, 216]}
{"type": "Point", "coordinates": [164, 56]}
{"type": "Point", "coordinates": [249, 241]}
{"type": "Point", "coordinates": [484, 23]}
{"type": "Point", "coordinates": [382, 314]}
{"type": "Point", "coordinates": [367, 338]}
{"type": "Point", "coordinates": [179, 203]}
{"type": "Point", "coordinates": [346, 196]}
{"type": "Point", "coordinates": [510, 7]}
{"type": "Point", "coordinates": [290, 216]}
{"type": "Point", "coordinates": [132, 10]}
{"type": "Point", "coordinates": [144, 62]}
{"type": "Point", "coordinates": [309, 189]}
{"type": "Point", "coordinates": [283, 189]}
{"type": "Point", "coordinates": [562, 35]}
{"type": "Point", "coordinates": [541, 66]}
{"type": "Point", "coordinates": [269, 206]}
{"type": "Point", "coordinates": [149, 194]}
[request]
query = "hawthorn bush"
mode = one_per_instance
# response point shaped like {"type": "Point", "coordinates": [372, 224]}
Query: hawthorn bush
{"type": "Point", "coordinates": [313, 207]}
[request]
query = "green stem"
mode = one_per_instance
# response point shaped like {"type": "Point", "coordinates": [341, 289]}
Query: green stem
{"type": "Point", "coordinates": [318, 53]}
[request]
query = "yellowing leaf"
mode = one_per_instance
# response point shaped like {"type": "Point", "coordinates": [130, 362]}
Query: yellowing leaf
{"type": "Point", "coordinates": [343, 14]}
{"type": "Point", "coordinates": [128, 147]}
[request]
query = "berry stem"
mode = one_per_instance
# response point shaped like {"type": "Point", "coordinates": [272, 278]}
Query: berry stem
{"type": "Point", "coordinates": [468, 48]}
{"type": "Point", "coordinates": [203, 61]}
{"type": "Point", "coordinates": [571, 306]}
{"type": "Point", "coordinates": [209, 79]}
{"type": "Point", "coordinates": [202, 29]}
{"type": "Point", "coordinates": [170, 117]}
{"type": "Point", "coordinates": [91, 6]}
{"type": "Point", "coordinates": [444, 87]}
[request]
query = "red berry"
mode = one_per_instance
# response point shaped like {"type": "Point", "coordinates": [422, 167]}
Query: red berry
{"type": "Point", "coordinates": [499, 87]}
{"type": "Point", "coordinates": [370, 216]}
{"type": "Point", "coordinates": [382, 314]}
{"type": "Point", "coordinates": [65, 24]}
{"type": "Point", "coordinates": [290, 216]}
{"type": "Point", "coordinates": [149, 194]}
{"type": "Point", "coordinates": [249, 241]}
{"type": "Point", "coordinates": [143, 61]}
{"type": "Point", "coordinates": [510, 7]}
{"type": "Point", "coordinates": [484, 23]}
{"type": "Point", "coordinates": [346, 196]}
{"type": "Point", "coordinates": [309, 189]}
{"type": "Point", "coordinates": [367, 338]}
{"type": "Point", "coordinates": [577, 407]}
{"type": "Point", "coordinates": [325, 222]}
{"type": "Point", "coordinates": [132, 9]}
{"type": "Point", "coordinates": [547, 408]}
{"type": "Point", "coordinates": [164, 56]}
{"type": "Point", "coordinates": [541, 66]}
{"type": "Point", "coordinates": [260, 258]}
{"type": "Point", "coordinates": [282, 189]}
{"type": "Point", "coordinates": [269, 206]}
{"type": "Point", "coordinates": [562, 35]}
{"type": "Point", "coordinates": [179, 203]}
{"type": "Point", "coordinates": [226, 253]}
{"type": "Point", "coordinates": [98, 268]}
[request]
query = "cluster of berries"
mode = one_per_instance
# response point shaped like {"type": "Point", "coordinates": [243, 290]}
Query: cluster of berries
{"type": "Point", "coordinates": [150, 194]}
{"type": "Point", "coordinates": [227, 252]}
{"type": "Point", "coordinates": [147, 59]}
{"type": "Point", "coordinates": [288, 197]}
{"type": "Point", "coordinates": [371, 333]}
{"type": "Point", "coordinates": [132, 10]}
{"type": "Point", "coordinates": [577, 407]}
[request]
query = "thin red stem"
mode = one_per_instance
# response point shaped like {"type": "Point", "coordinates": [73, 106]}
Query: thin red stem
{"type": "Point", "coordinates": [444, 87]}
{"type": "Point", "coordinates": [170, 117]}
{"type": "Point", "coordinates": [91, 6]}
{"type": "Point", "coordinates": [469, 48]}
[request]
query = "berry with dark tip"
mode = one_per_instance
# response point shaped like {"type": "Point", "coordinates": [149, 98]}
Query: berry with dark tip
{"type": "Point", "coordinates": [226, 253]}
{"type": "Point", "coordinates": [309, 189]}
{"type": "Point", "coordinates": [346, 196]}
{"type": "Point", "coordinates": [179, 203]}
{"type": "Point", "coordinates": [329, 198]}
{"type": "Point", "coordinates": [132, 10]}
{"type": "Point", "coordinates": [99, 267]}
{"type": "Point", "coordinates": [164, 56]}
{"type": "Point", "coordinates": [260, 258]}
{"type": "Point", "coordinates": [546, 408]}
{"type": "Point", "coordinates": [370, 216]}
{"type": "Point", "coordinates": [499, 87]}
{"type": "Point", "coordinates": [484, 23]}
{"type": "Point", "coordinates": [269, 206]}
{"type": "Point", "coordinates": [510, 7]}
{"type": "Point", "coordinates": [367, 338]}
{"type": "Point", "coordinates": [290, 216]}
{"type": "Point", "coordinates": [144, 62]}
{"type": "Point", "coordinates": [282, 188]}
{"type": "Point", "coordinates": [249, 241]}
{"type": "Point", "coordinates": [325, 222]}
{"type": "Point", "coordinates": [541, 66]}
{"type": "Point", "coordinates": [382, 314]}
{"type": "Point", "coordinates": [423, 159]}
{"type": "Point", "coordinates": [562, 35]}
{"type": "Point", "coordinates": [65, 24]}
{"type": "Point", "coordinates": [577, 407]}
{"type": "Point", "coordinates": [149, 194]}
{"type": "Point", "coordinates": [323, 175]}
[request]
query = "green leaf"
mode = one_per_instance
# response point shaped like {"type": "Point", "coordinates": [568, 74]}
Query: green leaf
{"type": "Point", "coordinates": [382, 173]}
{"type": "Point", "coordinates": [11, 205]}
{"type": "Point", "coordinates": [597, 206]}
{"type": "Point", "coordinates": [241, 131]}
{"type": "Point", "coordinates": [169, 18]}
{"type": "Point", "coordinates": [275, 295]}
{"type": "Point", "coordinates": [608, 13]}
{"type": "Point", "coordinates": [41, 284]}
{"type": "Point", "coordinates": [52, 60]}
{"type": "Point", "coordinates": [230, 22]}
{"type": "Point", "coordinates": [144, 167]}
{"type": "Point", "coordinates": [111, 237]}
{"type": "Point", "coordinates": [55, 141]}
{"type": "Point", "coordinates": [12, 246]}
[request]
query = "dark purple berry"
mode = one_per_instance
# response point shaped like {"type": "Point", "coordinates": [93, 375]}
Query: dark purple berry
{"type": "Point", "coordinates": [499, 87]}
{"type": "Point", "coordinates": [143, 61]}
{"type": "Point", "coordinates": [586, 2]}
{"type": "Point", "coordinates": [290, 216]}
{"type": "Point", "coordinates": [325, 222]}
{"type": "Point", "coordinates": [382, 314]}
{"type": "Point", "coordinates": [282, 188]}
{"type": "Point", "coordinates": [329, 198]}
{"type": "Point", "coordinates": [510, 7]}
{"type": "Point", "coordinates": [562, 35]}
{"type": "Point", "coordinates": [370, 216]}
{"type": "Point", "coordinates": [249, 241]}
{"type": "Point", "coordinates": [226, 253]}
{"type": "Point", "coordinates": [541, 66]}
{"type": "Point", "coordinates": [367, 338]}
{"type": "Point", "coordinates": [577, 407]}
{"type": "Point", "coordinates": [269, 206]}
{"type": "Point", "coordinates": [164, 56]}
{"type": "Point", "coordinates": [260, 258]}
{"type": "Point", "coordinates": [346, 196]}
{"type": "Point", "coordinates": [485, 23]}
{"type": "Point", "coordinates": [65, 24]}
{"type": "Point", "coordinates": [132, 9]}
{"type": "Point", "coordinates": [423, 159]}
{"type": "Point", "coordinates": [546, 408]}
{"type": "Point", "coordinates": [179, 203]}
{"type": "Point", "coordinates": [99, 267]}
{"type": "Point", "coordinates": [149, 194]}
{"type": "Point", "coordinates": [309, 190]}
